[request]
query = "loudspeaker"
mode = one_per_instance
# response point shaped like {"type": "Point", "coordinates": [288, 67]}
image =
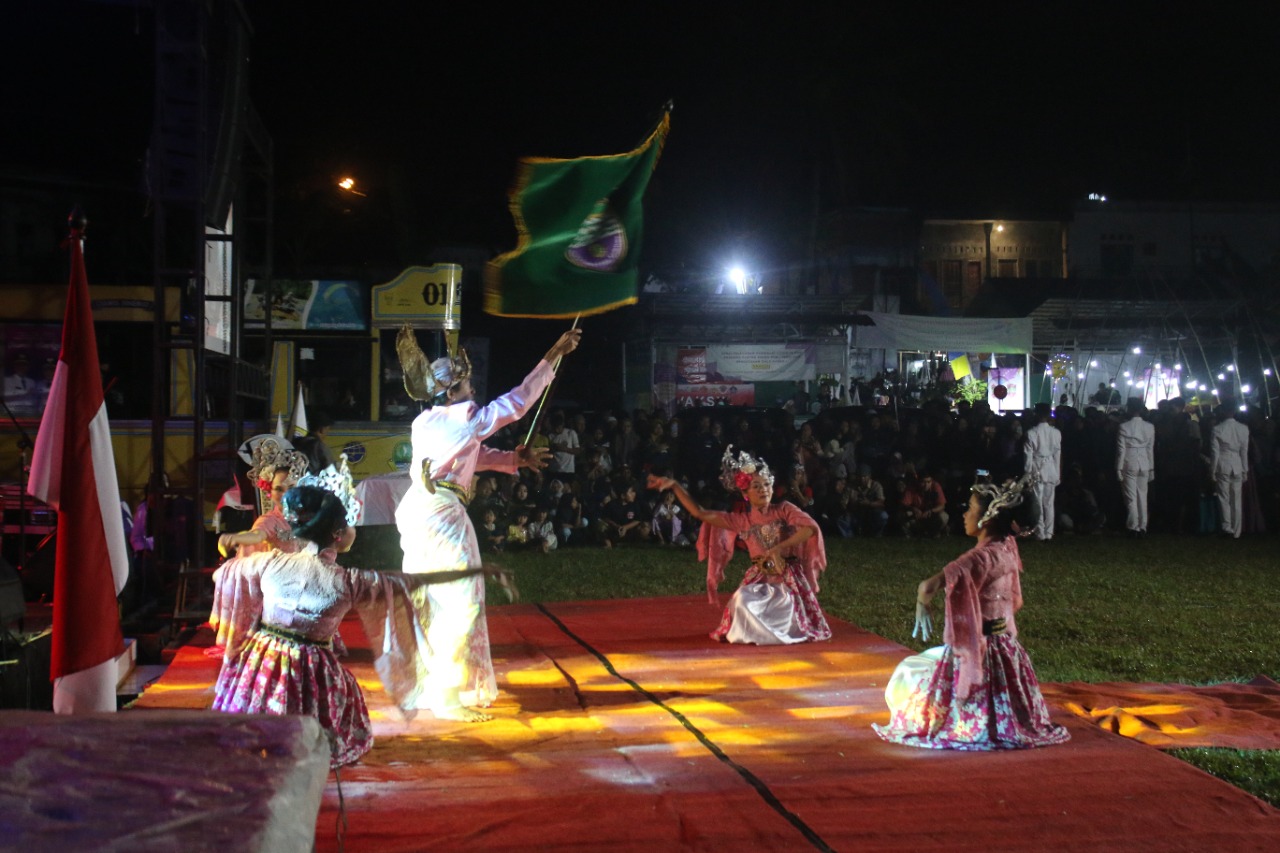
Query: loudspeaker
{"type": "Point", "coordinates": [12, 605]}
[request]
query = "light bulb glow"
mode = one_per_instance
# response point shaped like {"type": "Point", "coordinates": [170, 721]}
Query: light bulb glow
{"type": "Point", "coordinates": [1137, 350]}
{"type": "Point", "coordinates": [1245, 389]}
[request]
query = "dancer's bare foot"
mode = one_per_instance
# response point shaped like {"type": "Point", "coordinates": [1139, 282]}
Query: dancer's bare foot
{"type": "Point", "coordinates": [461, 713]}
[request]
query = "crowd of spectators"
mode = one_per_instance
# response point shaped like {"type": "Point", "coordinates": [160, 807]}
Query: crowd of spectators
{"type": "Point", "coordinates": [857, 471]}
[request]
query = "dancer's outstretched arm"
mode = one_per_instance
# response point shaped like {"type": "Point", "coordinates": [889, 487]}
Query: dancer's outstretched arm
{"type": "Point", "coordinates": [706, 516]}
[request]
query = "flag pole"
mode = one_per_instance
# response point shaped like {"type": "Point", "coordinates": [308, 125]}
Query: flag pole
{"type": "Point", "coordinates": [546, 392]}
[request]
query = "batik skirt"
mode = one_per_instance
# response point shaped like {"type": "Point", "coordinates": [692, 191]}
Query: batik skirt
{"type": "Point", "coordinates": [1005, 711]}
{"type": "Point", "coordinates": [763, 613]}
{"type": "Point", "coordinates": [274, 674]}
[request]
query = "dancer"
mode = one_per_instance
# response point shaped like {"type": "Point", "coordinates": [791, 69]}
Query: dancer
{"type": "Point", "coordinates": [777, 601]}
{"type": "Point", "coordinates": [435, 531]}
{"type": "Point", "coordinates": [277, 615]}
{"type": "Point", "coordinates": [978, 692]}
{"type": "Point", "coordinates": [276, 469]}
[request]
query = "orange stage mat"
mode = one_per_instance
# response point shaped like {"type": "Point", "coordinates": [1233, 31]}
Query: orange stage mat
{"type": "Point", "coordinates": [622, 726]}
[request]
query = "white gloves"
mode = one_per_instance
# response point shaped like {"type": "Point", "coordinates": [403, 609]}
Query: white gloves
{"type": "Point", "coordinates": [924, 622]}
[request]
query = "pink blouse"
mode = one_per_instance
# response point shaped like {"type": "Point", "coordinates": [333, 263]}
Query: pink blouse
{"type": "Point", "coordinates": [982, 584]}
{"type": "Point", "coordinates": [761, 530]}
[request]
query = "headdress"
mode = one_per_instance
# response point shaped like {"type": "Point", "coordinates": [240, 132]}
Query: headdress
{"type": "Point", "coordinates": [425, 381]}
{"type": "Point", "coordinates": [338, 481]}
{"type": "Point", "coordinates": [269, 452]}
{"type": "Point", "coordinates": [1002, 497]}
{"type": "Point", "coordinates": [736, 472]}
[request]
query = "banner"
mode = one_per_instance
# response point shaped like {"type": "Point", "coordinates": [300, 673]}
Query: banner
{"type": "Point", "coordinates": [298, 304]}
{"type": "Point", "coordinates": [1012, 380]}
{"type": "Point", "coordinates": [746, 363]}
{"type": "Point", "coordinates": [714, 394]}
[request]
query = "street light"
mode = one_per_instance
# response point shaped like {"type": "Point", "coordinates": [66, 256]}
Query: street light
{"type": "Point", "coordinates": [348, 184]}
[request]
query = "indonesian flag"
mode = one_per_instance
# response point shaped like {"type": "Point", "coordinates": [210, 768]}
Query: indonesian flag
{"type": "Point", "coordinates": [73, 470]}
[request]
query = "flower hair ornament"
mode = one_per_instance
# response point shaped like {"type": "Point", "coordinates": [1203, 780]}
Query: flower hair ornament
{"type": "Point", "coordinates": [736, 471]}
{"type": "Point", "coordinates": [1003, 497]}
{"type": "Point", "coordinates": [425, 381]}
{"type": "Point", "coordinates": [337, 480]}
{"type": "Point", "coordinates": [271, 452]}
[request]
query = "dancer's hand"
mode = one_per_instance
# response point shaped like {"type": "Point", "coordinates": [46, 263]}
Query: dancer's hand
{"type": "Point", "coordinates": [660, 484]}
{"type": "Point", "coordinates": [536, 458]}
{"type": "Point", "coordinates": [924, 622]}
{"type": "Point", "coordinates": [227, 544]}
{"type": "Point", "coordinates": [568, 343]}
{"type": "Point", "coordinates": [506, 581]}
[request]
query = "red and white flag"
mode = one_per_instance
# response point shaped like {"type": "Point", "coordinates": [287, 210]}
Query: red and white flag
{"type": "Point", "coordinates": [73, 469]}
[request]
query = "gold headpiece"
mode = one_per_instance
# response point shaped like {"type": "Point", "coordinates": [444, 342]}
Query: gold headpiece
{"type": "Point", "coordinates": [1003, 497]}
{"type": "Point", "coordinates": [270, 452]}
{"type": "Point", "coordinates": [424, 381]}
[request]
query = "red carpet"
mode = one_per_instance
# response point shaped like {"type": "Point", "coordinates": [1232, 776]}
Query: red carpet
{"type": "Point", "coordinates": [1172, 716]}
{"type": "Point", "coordinates": [621, 726]}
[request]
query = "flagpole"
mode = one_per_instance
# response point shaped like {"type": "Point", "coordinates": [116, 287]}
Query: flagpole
{"type": "Point", "coordinates": [546, 392]}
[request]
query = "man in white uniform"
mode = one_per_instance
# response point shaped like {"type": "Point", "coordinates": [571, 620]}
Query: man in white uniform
{"type": "Point", "coordinates": [1135, 465]}
{"type": "Point", "coordinates": [1229, 465]}
{"type": "Point", "coordinates": [1043, 447]}
{"type": "Point", "coordinates": [436, 533]}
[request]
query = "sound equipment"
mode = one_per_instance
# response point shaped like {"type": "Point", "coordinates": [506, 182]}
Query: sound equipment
{"type": "Point", "coordinates": [12, 605]}
{"type": "Point", "coordinates": [24, 671]}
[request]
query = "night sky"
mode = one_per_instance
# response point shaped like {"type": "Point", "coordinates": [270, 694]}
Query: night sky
{"type": "Point", "coordinates": [990, 110]}
{"type": "Point", "coordinates": [1021, 108]}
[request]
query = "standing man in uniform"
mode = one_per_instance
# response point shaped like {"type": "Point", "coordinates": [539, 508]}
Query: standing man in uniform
{"type": "Point", "coordinates": [1043, 448]}
{"type": "Point", "coordinates": [1229, 464]}
{"type": "Point", "coordinates": [1135, 465]}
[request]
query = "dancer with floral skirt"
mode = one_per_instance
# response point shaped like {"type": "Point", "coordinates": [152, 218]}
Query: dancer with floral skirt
{"type": "Point", "coordinates": [979, 691]}
{"type": "Point", "coordinates": [277, 615]}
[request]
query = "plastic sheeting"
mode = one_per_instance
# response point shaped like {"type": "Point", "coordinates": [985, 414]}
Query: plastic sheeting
{"type": "Point", "coordinates": [953, 334]}
{"type": "Point", "coordinates": [160, 780]}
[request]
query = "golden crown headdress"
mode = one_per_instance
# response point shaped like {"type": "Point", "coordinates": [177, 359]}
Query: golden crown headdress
{"type": "Point", "coordinates": [428, 381]}
{"type": "Point", "coordinates": [270, 452]}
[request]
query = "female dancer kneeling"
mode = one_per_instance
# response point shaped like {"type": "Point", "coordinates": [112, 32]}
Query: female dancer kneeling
{"type": "Point", "coordinates": [978, 692]}
{"type": "Point", "coordinates": [777, 601]}
{"type": "Point", "coordinates": [278, 613]}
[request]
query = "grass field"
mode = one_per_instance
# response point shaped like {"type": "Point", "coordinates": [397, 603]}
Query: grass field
{"type": "Point", "coordinates": [1098, 608]}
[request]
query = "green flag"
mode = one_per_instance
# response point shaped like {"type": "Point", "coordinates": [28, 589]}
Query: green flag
{"type": "Point", "coordinates": [580, 223]}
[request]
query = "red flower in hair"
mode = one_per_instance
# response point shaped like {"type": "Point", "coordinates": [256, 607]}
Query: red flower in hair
{"type": "Point", "coordinates": [264, 484]}
{"type": "Point", "coordinates": [742, 480]}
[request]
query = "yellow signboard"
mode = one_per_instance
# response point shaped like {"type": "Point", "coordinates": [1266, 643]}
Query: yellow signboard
{"type": "Point", "coordinates": [424, 297]}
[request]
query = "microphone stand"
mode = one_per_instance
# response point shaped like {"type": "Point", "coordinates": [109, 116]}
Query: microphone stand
{"type": "Point", "coordinates": [24, 445]}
